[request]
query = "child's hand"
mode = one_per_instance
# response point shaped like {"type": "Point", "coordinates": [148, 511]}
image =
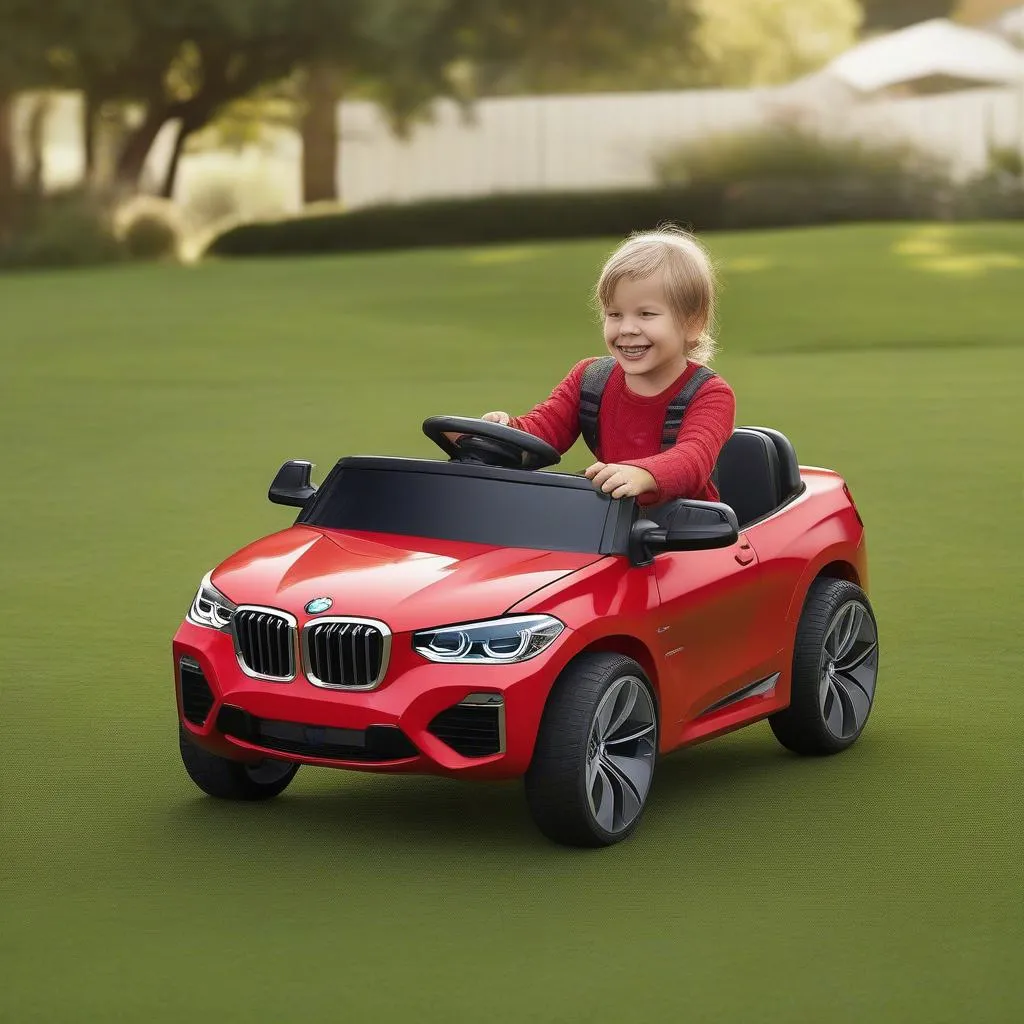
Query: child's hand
{"type": "Point", "coordinates": [620, 481]}
{"type": "Point", "coordinates": [497, 417]}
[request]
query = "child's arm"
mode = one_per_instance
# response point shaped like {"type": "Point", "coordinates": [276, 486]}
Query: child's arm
{"type": "Point", "coordinates": [556, 419]}
{"type": "Point", "coordinates": [683, 470]}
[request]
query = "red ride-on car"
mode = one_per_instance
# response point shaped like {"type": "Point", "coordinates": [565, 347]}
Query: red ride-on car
{"type": "Point", "coordinates": [479, 618]}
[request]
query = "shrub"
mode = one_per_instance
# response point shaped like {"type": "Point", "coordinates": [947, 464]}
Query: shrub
{"type": "Point", "coordinates": [151, 237]}
{"type": "Point", "coordinates": [792, 151]}
{"type": "Point", "coordinates": [61, 230]}
{"type": "Point", "coordinates": [496, 218]}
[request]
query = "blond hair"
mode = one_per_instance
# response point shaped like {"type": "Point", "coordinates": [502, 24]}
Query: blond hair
{"type": "Point", "coordinates": [689, 280]}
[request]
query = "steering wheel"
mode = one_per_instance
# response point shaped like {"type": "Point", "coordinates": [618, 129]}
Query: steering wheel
{"type": "Point", "coordinates": [489, 444]}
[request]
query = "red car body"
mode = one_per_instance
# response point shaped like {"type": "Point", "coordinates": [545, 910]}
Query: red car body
{"type": "Point", "coordinates": [713, 629]}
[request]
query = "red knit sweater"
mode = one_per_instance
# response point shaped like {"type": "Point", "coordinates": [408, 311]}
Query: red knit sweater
{"type": "Point", "coordinates": [630, 426]}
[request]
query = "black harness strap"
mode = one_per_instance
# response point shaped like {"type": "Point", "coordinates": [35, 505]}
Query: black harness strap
{"type": "Point", "coordinates": [677, 407]}
{"type": "Point", "coordinates": [595, 378]}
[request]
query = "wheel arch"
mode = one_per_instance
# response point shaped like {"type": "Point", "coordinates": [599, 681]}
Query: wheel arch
{"type": "Point", "coordinates": [839, 569]}
{"type": "Point", "coordinates": [835, 564]}
{"type": "Point", "coordinates": [631, 647]}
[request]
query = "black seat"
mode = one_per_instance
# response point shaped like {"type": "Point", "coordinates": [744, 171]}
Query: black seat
{"type": "Point", "coordinates": [756, 471]}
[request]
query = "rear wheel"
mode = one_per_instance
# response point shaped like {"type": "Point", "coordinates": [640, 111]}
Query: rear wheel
{"type": "Point", "coordinates": [835, 667]}
{"type": "Point", "coordinates": [234, 780]}
{"type": "Point", "coordinates": [593, 764]}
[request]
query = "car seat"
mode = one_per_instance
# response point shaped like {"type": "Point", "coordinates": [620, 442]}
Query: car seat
{"type": "Point", "coordinates": [756, 472]}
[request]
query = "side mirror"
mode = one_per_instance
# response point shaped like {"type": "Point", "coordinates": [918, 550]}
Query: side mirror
{"type": "Point", "coordinates": [684, 525]}
{"type": "Point", "coordinates": [291, 486]}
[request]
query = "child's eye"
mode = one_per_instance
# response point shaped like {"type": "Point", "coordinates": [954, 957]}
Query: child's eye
{"type": "Point", "coordinates": [648, 312]}
{"type": "Point", "coordinates": [612, 316]}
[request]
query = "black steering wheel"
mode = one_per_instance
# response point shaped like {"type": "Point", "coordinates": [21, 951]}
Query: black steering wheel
{"type": "Point", "coordinates": [489, 444]}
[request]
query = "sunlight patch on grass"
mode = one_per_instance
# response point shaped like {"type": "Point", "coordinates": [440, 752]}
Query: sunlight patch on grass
{"type": "Point", "coordinates": [974, 264]}
{"type": "Point", "coordinates": [930, 240]}
{"type": "Point", "coordinates": [931, 248]}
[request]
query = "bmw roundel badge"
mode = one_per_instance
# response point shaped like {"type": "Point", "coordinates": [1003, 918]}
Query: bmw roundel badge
{"type": "Point", "coordinates": [318, 604]}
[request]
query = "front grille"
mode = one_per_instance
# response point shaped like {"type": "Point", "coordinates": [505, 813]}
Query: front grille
{"type": "Point", "coordinates": [377, 743]}
{"type": "Point", "coordinates": [265, 641]}
{"type": "Point", "coordinates": [345, 652]}
{"type": "Point", "coordinates": [196, 697]}
{"type": "Point", "coordinates": [473, 730]}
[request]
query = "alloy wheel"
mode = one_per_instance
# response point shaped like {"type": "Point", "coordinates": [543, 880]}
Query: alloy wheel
{"type": "Point", "coordinates": [848, 670]}
{"type": "Point", "coordinates": [621, 750]}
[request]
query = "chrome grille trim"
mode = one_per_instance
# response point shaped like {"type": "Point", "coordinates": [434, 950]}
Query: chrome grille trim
{"type": "Point", "coordinates": [325, 639]}
{"type": "Point", "coordinates": [265, 638]}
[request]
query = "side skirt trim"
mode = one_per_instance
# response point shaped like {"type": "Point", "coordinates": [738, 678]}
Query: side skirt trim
{"type": "Point", "coordinates": [758, 688]}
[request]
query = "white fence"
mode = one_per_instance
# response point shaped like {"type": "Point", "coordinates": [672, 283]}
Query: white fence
{"type": "Point", "coordinates": [556, 142]}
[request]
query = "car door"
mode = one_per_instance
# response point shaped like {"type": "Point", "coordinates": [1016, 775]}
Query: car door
{"type": "Point", "coordinates": [707, 625]}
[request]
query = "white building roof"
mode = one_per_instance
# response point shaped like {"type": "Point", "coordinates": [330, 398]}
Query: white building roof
{"type": "Point", "coordinates": [933, 56]}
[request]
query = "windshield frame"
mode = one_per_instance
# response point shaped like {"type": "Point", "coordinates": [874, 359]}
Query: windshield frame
{"type": "Point", "coordinates": [619, 512]}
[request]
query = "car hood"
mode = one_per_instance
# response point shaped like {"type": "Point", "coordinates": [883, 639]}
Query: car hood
{"type": "Point", "coordinates": [407, 582]}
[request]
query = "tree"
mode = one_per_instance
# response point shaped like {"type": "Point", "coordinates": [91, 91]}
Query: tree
{"type": "Point", "coordinates": [766, 42]}
{"type": "Point", "coordinates": [27, 61]}
{"type": "Point", "coordinates": [414, 51]}
{"type": "Point", "coordinates": [187, 61]}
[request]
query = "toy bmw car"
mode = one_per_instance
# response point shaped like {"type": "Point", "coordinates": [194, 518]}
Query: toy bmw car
{"type": "Point", "coordinates": [477, 617]}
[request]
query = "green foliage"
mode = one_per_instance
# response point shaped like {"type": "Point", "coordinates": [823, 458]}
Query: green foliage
{"type": "Point", "coordinates": [764, 42]}
{"type": "Point", "coordinates": [704, 205]}
{"type": "Point", "coordinates": [65, 230]}
{"type": "Point", "coordinates": [151, 236]}
{"type": "Point", "coordinates": [497, 218]}
{"type": "Point", "coordinates": [789, 150]}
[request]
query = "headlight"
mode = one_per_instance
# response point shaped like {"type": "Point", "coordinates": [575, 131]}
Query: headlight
{"type": "Point", "coordinates": [211, 608]}
{"type": "Point", "coordinates": [498, 641]}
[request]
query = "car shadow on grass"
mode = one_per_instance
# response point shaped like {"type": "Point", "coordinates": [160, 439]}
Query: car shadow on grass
{"type": "Point", "coordinates": [702, 785]}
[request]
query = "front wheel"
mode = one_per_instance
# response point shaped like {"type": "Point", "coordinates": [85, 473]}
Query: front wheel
{"type": "Point", "coordinates": [234, 780]}
{"type": "Point", "coordinates": [593, 764]}
{"type": "Point", "coordinates": [835, 666]}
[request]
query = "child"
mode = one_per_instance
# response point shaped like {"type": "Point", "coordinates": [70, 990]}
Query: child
{"type": "Point", "coordinates": [657, 297]}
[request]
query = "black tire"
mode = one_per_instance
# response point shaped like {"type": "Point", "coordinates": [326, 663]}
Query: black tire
{"type": "Point", "coordinates": [824, 693]}
{"type": "Point", "coordinates": [556, 781]}
{"type": "Point", "coordinates": [233, 780]}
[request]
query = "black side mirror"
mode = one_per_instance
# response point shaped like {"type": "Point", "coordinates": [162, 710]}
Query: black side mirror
{"type": "Point", "coordinates": [683, 525]}
{"type": "Point", "coordinates": [291, 486]}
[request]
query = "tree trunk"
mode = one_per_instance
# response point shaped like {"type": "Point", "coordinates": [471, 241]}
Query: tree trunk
{"type": "Point", "coordinates": [7, 180]}
{"type": "Point", "coordinates": [171, 174]}
{"type": "Point", "coordinates": [133, 157]}
{"type": "Point", "coordinates": [320, 133]}
{"type": "Point", "coordinates": [90, 107]}
{"type": "Point", "coordinates": [37, 145]}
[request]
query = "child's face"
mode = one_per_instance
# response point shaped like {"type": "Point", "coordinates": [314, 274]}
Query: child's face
{"type": "Point", "coordinates": [643, 334]}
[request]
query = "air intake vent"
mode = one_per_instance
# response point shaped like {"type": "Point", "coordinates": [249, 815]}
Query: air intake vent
{"type": "Point", "coordinates": [196, 697]}
{"type": "Point", "coordinates": [376, 743]}
{"type": "Point", "coordinates": [346, 653]}
{"type": "Point", "coordinates": [474, 728]}
{"type": "Point", "coordinates": [265, 642]}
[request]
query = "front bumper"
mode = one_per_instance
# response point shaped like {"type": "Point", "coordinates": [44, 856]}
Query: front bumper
{"type": "Point", "coordinates": [418, 720]}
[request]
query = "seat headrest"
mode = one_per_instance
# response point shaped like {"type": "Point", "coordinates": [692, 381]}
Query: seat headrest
{"type": "Point", "coordinates": [749, 475]}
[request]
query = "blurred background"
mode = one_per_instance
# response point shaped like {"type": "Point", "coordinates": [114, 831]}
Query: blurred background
{"type": "Point", "coordinates": [236, 232]}
{"type": "Point", "coordinates": [766, 111]}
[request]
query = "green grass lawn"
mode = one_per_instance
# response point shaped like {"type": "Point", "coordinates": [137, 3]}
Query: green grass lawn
{"type": "Point", "coordinates": [143, 414]}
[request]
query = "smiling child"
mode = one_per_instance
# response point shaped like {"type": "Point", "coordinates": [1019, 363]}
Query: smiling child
{"type": "Point", "coordinates": [657, 298]}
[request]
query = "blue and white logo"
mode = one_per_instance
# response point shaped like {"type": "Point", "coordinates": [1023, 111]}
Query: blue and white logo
{"type": "Point", "coordinates": [318, 604]}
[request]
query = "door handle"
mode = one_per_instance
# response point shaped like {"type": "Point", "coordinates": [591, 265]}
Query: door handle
{"type": "Point", "coordinates": [745, 554]}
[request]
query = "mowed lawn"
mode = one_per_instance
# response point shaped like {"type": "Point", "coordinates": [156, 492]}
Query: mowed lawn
{"type": "Point", "coordinates": [144, 411]}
